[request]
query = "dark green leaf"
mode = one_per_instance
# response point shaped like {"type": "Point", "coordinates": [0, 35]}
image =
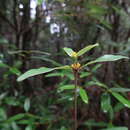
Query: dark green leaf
{"type": "Point", "coordinates": [15, 117]}
{"type": "Point", "coordinates": [63, 128]}
{"type": "Point", "coordinates": [120, 89]}
{"type": "Point", "coordinates": [2, 65]}
{"type": "Point", "coordinates": [119, 106]}
{"type": "Point", "coordinates": [116, 128]}
{"type": "Point", "coordinates": [111, 113]}
{"type": "Point", "coordinates": [24, 122]}
{"type": "Point", "coordinates": [67, 87]}
{"type": "Point", "coordinates": [105, 102]}
{"type": "Point", "coordinates": [83, 95]}
{"type": "Point", "coordinates": [3, 115]}
{"type": "Point", "coordinates": [55, 75]}
{"type": "Point", "coordinates": [84, 74]}
{"type": "Point", "coordinates": [121, 99]}
{"type": "Point", "coordinates": [3, 40]}
{"type": "Point", "coordinates": [15, 71]}
{"type": "Point", "coordinates": [12, 101]}
{"type": "Point", "coordinates": [91, 122]}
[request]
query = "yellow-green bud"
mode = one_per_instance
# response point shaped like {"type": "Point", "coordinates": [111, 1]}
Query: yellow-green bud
{"type": "Point", "coordinates": [74, 54]}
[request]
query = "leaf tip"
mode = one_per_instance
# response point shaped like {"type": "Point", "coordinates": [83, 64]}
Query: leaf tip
{"type": "Point", "coordinates": [19, 79]}
{"type": "Point", "coordinates": [97, 44]}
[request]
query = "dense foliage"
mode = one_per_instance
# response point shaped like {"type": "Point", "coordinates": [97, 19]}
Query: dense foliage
{"type": "Point", "coordinates": [33, 34]}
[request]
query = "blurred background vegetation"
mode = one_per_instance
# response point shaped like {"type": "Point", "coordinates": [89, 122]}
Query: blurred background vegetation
{"type": "Point", "coordinates": [33, 33]}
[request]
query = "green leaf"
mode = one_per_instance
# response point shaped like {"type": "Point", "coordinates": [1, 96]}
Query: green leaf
{"type": "Point", "coordinates": [110, 58]}
{"type": "Point", "coordinates": [98, 84]}
{"type": "Point", "coordinates": [119, 106]}
{"type": "Point", "coordinates": [63, 128]}
{"type": "Point", "coordinates": [34, 72]}
{"type": "Point", "coordinates": [120, 89]}
{"type": "Point", "coordinates": [15, 117]}
{"type": "Point", "coordinates": [12, 101]}
{"type": "Point", "coordinates": [67, 87]}
{"type": "Point", "coordinates": [3, 115]}
{"type": "Point", "coordinates": [29, 127]}
{"type": "Point", "coordinates": [116, 128]}
{"type": "Point", "coordinates": [38, 71]}
{"type": "Point", "coordinates": [111, 113]}
{"type": "Point", "coordinates": [27, 105]}
{"type": "Point", "coordinates": [24, 122]}
{"type": "Point", "coordinates": [92, 122]}
{"type": "Point", "coordinates": [69, 51]}
{"type": "Point", "coordinates": [94, 69]}
{"type": "Point", "coordinates": [54, 75]}
{"type": "Point", "coordinates": [15, 126]}
{"type": "Point", "coordinates": [121, 99]}
{"type": "Point", "coordinates": [14, 71]}
{"type": "Point", "coordinates": [105, 102]}
{"type": "Point", "coordinates": [3, 95]}
{"type": "Point", "coordinates": [83, 95]}
{"type": "Point", "coordinates": [84, 74]}
{"type": "Point", "coordinates": [87, 48]}
{"type": "Point", "coordinates": [3, 40]}
{"type": "Point", "coordinates": [106, 58]}
{"type": "Point", "coordinates": [2, 65]}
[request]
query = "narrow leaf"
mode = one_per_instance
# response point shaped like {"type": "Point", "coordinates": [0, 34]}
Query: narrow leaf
{"type": "Point", "coordinates": [121, 99]}
{"type": "Point", "coordinates": [15, 71]}
{"type": "Point", "coordinates": [27, 105]}
{"type": "Point", "coordinates": [110, 58]}
{"type": "Point", "coordinates": [119, 106]}
{"type": "Point", "coordinates": [116, 128]}
{"type": "Point", "coordinates": [69, 51]}
{"type": "Point", "coordinates": [93, 123]}
{"type": "Point", "coordinates": [106, 58]}
{"type": "Point", "coordinates": [83, 95]}
{"type": "Point", "coordinates": [105, 102]}
{"type": "Point", "coordinates": [15, 117]}
{"type": "Point", "coordinates": [67, 87]}
{"type": "Point", "coordinates": [87, 48]}
{"type": "Point", "coordinates": [2, 65]}
{"type": "Point", "coordinates": [38, 71]}
{"type": "Point", "coordinates": [120, 89]}
{"type": "Point", "coordinates": [34, 72]}
{"type": "Point", "coordinates": [54, 75]}
{"type": "Point", "coordinates": [111, 114]}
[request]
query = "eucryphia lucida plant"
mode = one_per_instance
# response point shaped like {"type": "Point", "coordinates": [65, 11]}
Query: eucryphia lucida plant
{"type": "Point", "coordinates": [76, 67]}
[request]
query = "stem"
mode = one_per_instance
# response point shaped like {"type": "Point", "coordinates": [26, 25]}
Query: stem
{"type": "Point", "coordinates": [75, 99]}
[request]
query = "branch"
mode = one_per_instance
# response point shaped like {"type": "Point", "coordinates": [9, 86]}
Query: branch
{"type": "Point", "coordinates": [2, 17]}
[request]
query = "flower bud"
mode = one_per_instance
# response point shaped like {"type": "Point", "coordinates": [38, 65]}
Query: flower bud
{"type": "Point", "coordinates": [74, 55]}
{"type": "Point", "coordinates": [76, 66]}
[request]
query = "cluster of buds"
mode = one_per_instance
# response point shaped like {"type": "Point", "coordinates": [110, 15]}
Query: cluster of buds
{"type": "Point", "coordinates": [76, 66]}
